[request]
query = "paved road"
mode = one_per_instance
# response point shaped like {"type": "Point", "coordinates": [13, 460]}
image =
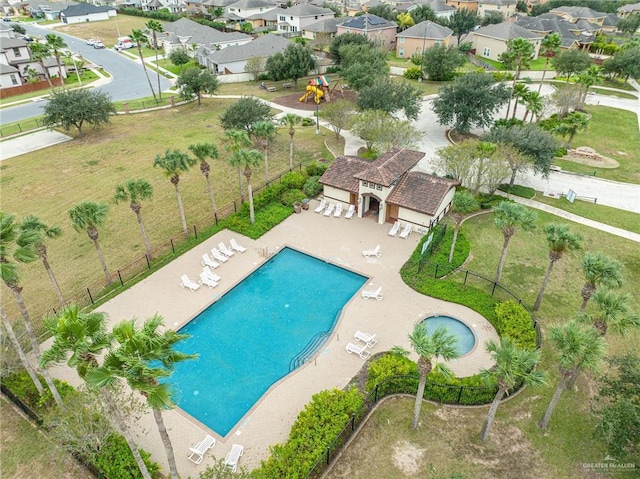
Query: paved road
{"type": "Point", "coordinates": [127, 76]}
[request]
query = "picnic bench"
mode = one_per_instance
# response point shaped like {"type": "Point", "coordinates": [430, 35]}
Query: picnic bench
{"type": "Point", "coordinates": [287, 85]}
{"type": "Point", "coordinates": [271, 89]}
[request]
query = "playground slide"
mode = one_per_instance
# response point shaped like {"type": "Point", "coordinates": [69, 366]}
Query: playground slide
{"type": "Point", "coordinates": [317, 93]}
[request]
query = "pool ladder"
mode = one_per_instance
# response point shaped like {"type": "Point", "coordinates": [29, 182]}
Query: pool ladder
{"type": "Point", "coordinates": [309, 350]}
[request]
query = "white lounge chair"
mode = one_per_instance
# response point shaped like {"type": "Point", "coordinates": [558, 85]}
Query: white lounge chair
{"type": "Point", "coordinates": [210, 274]}
{"type": "Point", "coordinates": [236, 247]}
{"type": "Point", "coordinates": [321, 206]}
{"type": "Point", "coordinates": [369, 339]}
{"type": "Point", "coordinates": [197, 452]}
{"type": "Point", "coordinates": [218, 255]}
{"type": "Point", "coordinates": [206, 280]}
{"type": "Point", "coordinates": [206, 261]}
{"type": "Point", "coordinates": [372, 252]}
{"type": "Point", "coordinates": [224, 250]}
{"type": "Point", "coordinates": [329, 209]}
{"type": "Point", "coordinates": [360, 351]}
{"type": "Point", "coordinates": [350, 211]}
{"type": "Point", "coordinates": [185, 282]}
{"type": "Point", "coordinates": [377, 294]}
{"type": "Point", "coordinates": [338, 211]}
{"type": "Point", "coordinates": [406, 231]}
{"type": "Point", "coordinates": [231, 461]}
{"type": "Point", "coordinates": [394, 229]}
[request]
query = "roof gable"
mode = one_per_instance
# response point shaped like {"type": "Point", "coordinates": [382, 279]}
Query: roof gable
{"type": "Point", "coordinates": [84, 9]}
{"type": "Point", "coordinates": [421, 192]}
{"type": "Point", "coordinates": [342, 173]}
{"type": "Point", "coordinates": [506, 31]}
{"type": "Point", "coordinates": [427, 29]}
{"type": "Point", "coordinates": [389, 167]}
{"type": "Point", "coordinates": [263, 47]}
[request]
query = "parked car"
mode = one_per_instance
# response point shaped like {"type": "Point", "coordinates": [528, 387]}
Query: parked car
{"type": "Point", "coordinates": [6, 19]}
{"type": "Point", "coordinates": [98, 45]}
{"type": "Point", "coordinates": [91, 41]}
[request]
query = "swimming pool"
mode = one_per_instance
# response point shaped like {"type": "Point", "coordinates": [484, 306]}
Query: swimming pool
{"type": "Point", "coordinates": [257, 333]}
{"type": "Point", "coordinates": [466, 338]}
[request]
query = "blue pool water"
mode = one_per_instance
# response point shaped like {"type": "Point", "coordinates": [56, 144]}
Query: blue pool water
{"type": "Point", "coordinates": [257, 333]}
{"type": "Point", "coordinates": [466, 338]}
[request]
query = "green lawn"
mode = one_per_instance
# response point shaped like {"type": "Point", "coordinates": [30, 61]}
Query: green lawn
{"type": "Point", "coordinates": [107, 31]}
{"type": "Point", "coordinates": [535, 65]}
{"type": "Point", "coordinates": [87, 77]}
{"type": "Point", "coordinates": [613, 133]}
{"type": "Point", "coordinates": [617, 94]}
{"type": "Point", "coordinates": [89, 168]}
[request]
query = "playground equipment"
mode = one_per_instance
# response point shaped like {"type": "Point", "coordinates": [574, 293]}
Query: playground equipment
{"type": "Point", "coordinates": [318, 88]}
{"type": "Point", "coordinates": [313, 91]}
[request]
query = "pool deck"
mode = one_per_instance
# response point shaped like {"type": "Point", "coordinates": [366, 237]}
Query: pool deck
{"type": "Point", "coordinates": [337, 240]}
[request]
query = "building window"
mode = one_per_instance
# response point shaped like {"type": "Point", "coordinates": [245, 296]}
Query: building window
{"type": "Point", "coordinates": [14, 80]}
{"type": "Point", "coordinates": [364, 184]}
{"type": "Point", "coordinates": [486, 52]}
{"type": "Point", "coordinates": [282, 18]}
{"type": "Point", "coordinates": [401, 39]}
{"type": "Point", "coordinates": [401, 52]}
{"type": "Point", "coordinates": [16, 52]}
{"type": "Point", "coordinates": [379, 187]}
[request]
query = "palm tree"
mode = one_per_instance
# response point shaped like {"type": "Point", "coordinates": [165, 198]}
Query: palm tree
{"type": "Point", "coordinates": [404, 21]}
{"type": "Point", "coordinates": [142, 358]}
{"type": "Point", "coordinates": [522, 51]}
{"type": "Point", "coordinates": [40, 52]}
{"type": "Point", "coordinates": [534, 103]}
{"type": "Point", "coordinates": [572, 124]}
{"type": "Point", "coordinates": [509, 216]}
{"type": "Point", "coordinates": [561, 240]}
{"type": "Point", "coordinates": [44, 232]}
{"type": "Point", "coordinates": [202, 151]}
{"type": "Point", "coordinates": [513, 366]}
{"type": "Point", "coordinates": [21, 354]}
{"type": "Point", "coordinates": [135, 191]}
{"type": "Point", "coordinates": [237, 139]}
{"type": "Point", "coordinates": [580, 347]}
{"type": "Point", "coordinates": [520, 90]}
{"type": "Point", "coordinates": [139, 37]}
{"type": "Point", "coordinates": [463, 203]}
{"type": "Point", "coordinates": [247, 159]}
{"type": "Point", "coordinates": [613, 313]}
{"type": "Point", "coordinates": [485, 150]}
{"type": "Point", "coordinates": [17, 246]}
{"type": "Point", "coordinates": [88, 216]}
{"type": "Point", "coordinates": [78, 339]}
{"type": "Point", "coordinates": [174, 163]}
{"type": "Point", "coordinates": [291, 120]}
{"type": "Point", "coordinates": [264, 131]}
{"type": "Point", "coordinates": [56, 43]}
{"type": "Point", "coordinates": [549, 48]}
{"type": "Point", "coordinates": [588, 78]}
{"type": "Point", "coordinates": [439, 344]}
{"type": "Point", "coordinates": [598, 270]}
{"type": "Point", "coordinates": [156, 27]}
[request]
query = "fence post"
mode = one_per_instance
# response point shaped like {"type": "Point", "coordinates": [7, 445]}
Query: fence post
{"type": "Point", "coordinates": [173, 248]}
{"type": "Point", "coordinates": [459, 395]}
{"type": "Point", "coordinates": [328, 455]}
{"type": "Point", "coordinates": [466, 273]}
{"type": "Point", "coordinates": [494, 288]}
{"type": "Point", "coordinates": [90, 297]}
{"type": "Point", "coordinates": [195, 231]}
{"type": "Point", "coordinates": [353, 422]}
{"type": "Point", "coordinates": [235, 210]}
{"type": "Point", "coordinates": [148, 263]}
{"type": "Point", "coordinates": [436, 273]}
{"type": "Point", "coordinates": [375, 395]}
{"type": "Point", "coordinates": [120, 278]}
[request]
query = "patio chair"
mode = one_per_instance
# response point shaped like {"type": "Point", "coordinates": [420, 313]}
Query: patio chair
{"type": "Point", "coordinates": [218, 255]}
{"type": "Point", "coordinates": [321, 206]}
{"type": "Point", "coordinates": [210, 274]}
{"type": "Point", "coordinates": [338, 211]}
{"type": "Point", "coordinates": [406, 231]}
{"type": "Point", "coordinates": [236, 247]}
{"type": "Point", "coordinates": [350, 211]}
{"type": "Point", "coordinates": [206, 280]}
{"type": "Point", "coordinates": [329, 209]}
{"type": "Point", "coordinates": [377, 294]}
{"type": "Point", "coordinates": [372, 252]}
{"type": "Point", "coordinates": [185, 282]}
{"type": "Point", "coordinates": [360, 351]}
{"type": "Point", "coordinates": [369, 339]}
{"type": "Point", "coordinates": [231, 461]}
{"type": "Point", "coordinates": [197, 452]}
{"type": "Point", "coordinates": [394, 229]}
{"type": "Point", "coordinates": [206, 261]}
{"type": "Point", "coordinates": [224, 250]}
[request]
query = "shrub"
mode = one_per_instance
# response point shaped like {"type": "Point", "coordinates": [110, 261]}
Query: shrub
{"type": "Point", "coordinates": [116, 460]}
{"type": "Point", "coordinates": [386, 366]}
{"type": "Point", "coordinates": [263, 77]}
{"type": "Point", "coordinates": [312, 188]}
{"type": "Point", "coordinates": [315, 169]}
{"type": "Point", "coordinates": [412, 73]}
{"type": "Point", "coordinates": [290, 197]}
{"type": "Point", "coordinates": [21, 385]}
{"type": "Point", "coordinates": [306, 121]}
{"type": "Point", "coordinates": [514, 322]}
{"type": "Point", "coordinates": [518, 190]}
{"type": "Point", "coordinates": [268, 195]}
{"type": "Point", "coordinates": [560, 152]}
{"type": "Point", "coordinates": [465, 47]}
{"type": "Point", "coordinates": [502, 76]}
{"type": "Point", "coordinates": [333, 69]}
{"type": "Point", "coordinates": [293, 180]}
{"type": "Point", "coordinates": [266, 218]}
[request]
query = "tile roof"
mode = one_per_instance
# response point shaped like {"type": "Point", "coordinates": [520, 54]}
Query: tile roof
{"type": "Point", "coordinates": [342, 173]}
{"type": "Point", "coordinates": [426, 29]}
{"type": "Point", "coordinates": [421, 192]}
{"type": "Point", "coordinates": [390, 166]}
{"type": "Point", "coordinates": [548, 23]}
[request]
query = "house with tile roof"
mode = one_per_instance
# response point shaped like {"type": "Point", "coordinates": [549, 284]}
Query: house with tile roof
{"type": "Point", "coordinates": [491, 41]}
{"type": "Point", "coordinates": [438, 7]}
{"type": "Point", "coordinates": [389, 189]}
{"type": "Point", "coordinates": [573, 14]}
{"type": "Point", "coordinates": [626, 10]}
{"type": "Point", "coordinates": [507, 8]}
{"type": "Point", "coordinates": [471, 5]}
{"type": "Point", "coordinates": [323, 31]}
{"type": "Point", "coordinates": [420, 37]}
{"type": "Point", "coordinates": [85, 12]}
{"type": "Point", "coordinates": [185, 33]}
{"type": "Point", "coordinates": [296, 18]}
{"type": "Point", "coordinates": [246, 8]}
{"type": "Point", "coordinates": [574, 35]}
{"type": "Point", "coordinates": [233, 59]}
{"type": "Point", "coordinates": [380, 31]}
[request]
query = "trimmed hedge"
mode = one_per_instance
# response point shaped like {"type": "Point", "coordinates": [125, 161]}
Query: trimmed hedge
{"type": "Point", "coordinates": [387, 366]}
{"type": "Point", "coordinates": [265, 219]}
{"type": "Point", "coordinates": [514, 322]}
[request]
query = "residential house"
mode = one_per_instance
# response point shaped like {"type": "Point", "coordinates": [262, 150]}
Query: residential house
{"type": "Point", "coordinates": [574, 35]}
{"type": "Point", "coordinates": [233, 59]}
{"type": "Point", "coordinates": [610, 22]}
{"type": "Point", "coordinates": [573, 14]}
{"type": "Point", "coordinates": [380, 31]}
{"type": "Point", "coordinates": [205, 6]}
{"type": "Point", "coordinates": [464, 4]}
{"type": "Point", "coordinates": [358, 8]}
{"type": "Point", "coordinates": [323, 31]}
{"type": "Point", "coordinates": [296, 18]}
{"type": "Point", "coordinates": [387, 189]}
{"type": "Point", "coordinates": [491, 41]}
{"type": "Point", "coordinates": [9, 76]}
{"type": "Point", "coordinates": [438, 7]}
{"type": "Point", "coordinates": [264, 21]}
{"type": "Point", "coordinates": [507, 8]}
{"type": "Point", "coordinates": [245, 8]}
{"type": "Point", "coordinates": [420, 37]}
{"type": "Point", "coordinates": [185, 33]}
{"type": "Point", "coordinates": [626, 10]}
{"type": "Point", "coordinates": [85, 12]}
{"type": "Point", "coordinates": [19, 67]}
